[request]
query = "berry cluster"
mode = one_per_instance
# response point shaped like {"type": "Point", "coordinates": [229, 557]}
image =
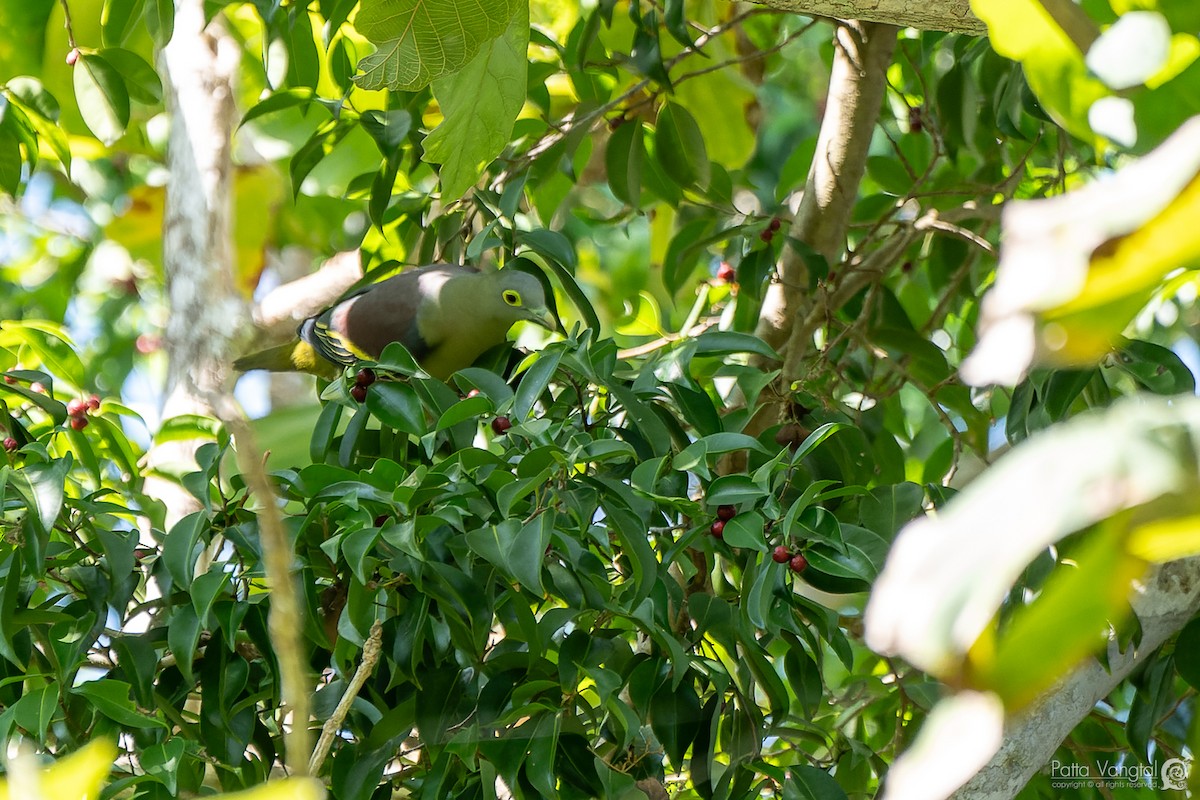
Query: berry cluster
{"type": "Point", "coordinates": [796, 561]}
{"type": "Point", "coordinates": [364, 378]}
{"type": "Point", "coordinates": [724, 514]}
{"type": "Point", "coordinates": [772, 228]}
{"type": "Point", "coordinates": [79, 408]}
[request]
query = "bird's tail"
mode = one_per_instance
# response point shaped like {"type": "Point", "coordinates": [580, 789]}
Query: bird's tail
{"type": "Point", "coordinates": [289, 357]}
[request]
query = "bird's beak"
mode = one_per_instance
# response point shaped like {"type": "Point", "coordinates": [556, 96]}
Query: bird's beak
{"type": "Point", "coordinates": [542, 317]}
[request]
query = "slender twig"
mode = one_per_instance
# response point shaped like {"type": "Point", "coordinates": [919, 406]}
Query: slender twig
{"type": "Point", "coordinates": [67, 23]}
{"type": "Point", "coordinates": [371, 651]}
{"type": "Point", "coordinates": [285, 620]}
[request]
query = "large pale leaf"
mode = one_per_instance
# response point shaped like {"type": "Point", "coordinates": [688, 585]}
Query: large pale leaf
{"type": "Point", "coordinates": [1054, 66]}
{"type": "Point", "coordinates": [420, 41]}
{"type": "Point", "coordinates": [1075, 269]}
{"type": "Point", "coordinates": [479, 105]}
{"type": "Point", "coordinates": [947, 575]}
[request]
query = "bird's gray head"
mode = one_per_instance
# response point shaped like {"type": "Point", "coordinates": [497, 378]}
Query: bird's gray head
{"type": "Point", "coordinates": [520, 297]}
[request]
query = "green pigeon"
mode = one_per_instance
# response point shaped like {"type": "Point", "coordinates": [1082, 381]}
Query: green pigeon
{"type": "Point", "coordinates": [447, 316]}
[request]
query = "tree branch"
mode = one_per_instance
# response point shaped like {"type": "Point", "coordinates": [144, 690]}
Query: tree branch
{"type": "Point", "coordinates": [1170, 597]}
{"type": "Point", "coordinates": [857, 83]}
{"type": "Point", "coordinates": [936, 15]}
{"type": "Point", "coordinates": [287, 305]}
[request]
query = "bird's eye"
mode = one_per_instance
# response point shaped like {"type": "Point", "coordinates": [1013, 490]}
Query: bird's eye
{"type": "Point", "coordinates": [512, 298]}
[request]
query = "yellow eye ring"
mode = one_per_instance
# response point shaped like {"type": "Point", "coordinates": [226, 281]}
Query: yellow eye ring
{"type": "Point", "coordinates": [512, 298]}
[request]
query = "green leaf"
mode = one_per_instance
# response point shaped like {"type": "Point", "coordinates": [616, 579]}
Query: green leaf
{"type": "Point", "coordinates": [1155, 367]}
{"type": "Point", "coordinates": [10, 163]}
{"type": "Point", "coordinates": [397, 405]}
{"type": "Point", "coordinates": [111, 698]}
{"type": "Point", "coordinates": [36, 709]}
{"type": "Point", "coordinates": [179, 548]}
{"type": "Point", "coordinates": [469, 409]}
{"type": "Point", "coordinates": [746, 530]}
{"type": "Point", "coordinates": [141, 80]}
{"type": "Point", "coordinates": [623, 157]}
{"type": "Point", "coordinates": [816, 437]}
{"type": "Point", "coordinates": [356, 548]}
{"type": "Point", "coordinates": [102, 97]}
{"type": "Point", "coordinates": [551, 244]}
{"type": "Point", "coordinates": [674, 714]}
{"type": "Point", "coordinates": [42, 487]}
{"type": "Point", "coordinates": [809, 783]}
{"type": "Point", "coordinates": [517, 549]}
{"type": "Point", "coordinates": [1066, 623]}
{"type": "Point", "coordinates": [389, 128]}
{"type": "Point", "coordinates": [1024, 31]}
{"type": "Point", "coordinates": [887, 508]}
{"type": "Point", "coordinates": [280, 101]}
{"type": "Point", "coordinates": [186, 427]}
{"type": "Point", "coordinates": [183, 634]}
{"type": "Point", "coordinates": [695, 454]}
{"type": "Point", "coordinates": [118, 20]}
{"type": "Point", "coordinates": [205, 590]}
{"type": "Point", "coordinates": [535, 381]}
{"type": "Point", "coordinates": [1187, 653]}
{"type": "Point", "coordinates": [723, 343]}
{"type": "Point", "coordinates": [679, 147]}
{"type": "Point", "coordinates": [312, 152]}
{"type": "Point", "coordinates": [734, 489]}
{"type": "Point", "coordinates": [479, 105]}
{"type": "Point", "coordinates": [420, 41]}
{"type": "Point", "coordinates": [160, 21]}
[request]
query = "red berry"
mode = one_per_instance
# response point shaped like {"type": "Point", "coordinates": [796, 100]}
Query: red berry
{"type": "Point", "coordinates": [767, 235]}
{"type": "Point", "coordinates": [726, 273]}
{"type": "Point", "coordinates": [93, 402]}
{"type": "Point", "coordinates": [11, 444]}
{"type": "Point", "coordinates": [358, 392]}
{"type": "Point", "coordinates": [79, 423]}
{"type": "Point", "coordinates": [10, 380]}
{"type": "Point", "coordinates": [72, 56]}
{"type": "Point", "coordinates": [365, 377]}
{"type": "Point", "coordinates": [37, 387]}
{"type": "Point", "coordinates": [77, 407]}
{"type": "Point", "coordinates": [798, 564]}
{"type": "Point", "coordinates": [781, 555]}
{"type": "Point", "coordinates": [774, 224]}
{"type": "Point", "coordinates": [473, 393]}
{"type": "Point", "coordinates": [717, 529]}
{"type": "Point", "coordinates": [726, 513]}
{"type": "Point", "coordinates": [500, 425]}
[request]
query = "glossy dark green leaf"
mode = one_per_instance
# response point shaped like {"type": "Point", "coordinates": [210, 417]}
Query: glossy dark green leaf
{"type": "Point", "coordinates": [746, 530]}
{"type": "Point", "coordinates": [102, 97]}
{"type": "Point", "coordinates": [279, 101]}
{"type": "Point", "coordinates": [141, 79]}
{"type": "Point", "coordinates": [111, 698]}
{"type": "Point", "coordinates": [118, 19]}
{"type": "Point", "coordinates": [160, 21]}
{"type": "Point", "coordinates": [723, 343]}
{"type": "Point", "coordinates": [1155, 367]}
{"type": "Point", "coordinates": [809, 783]}
{"type": "Point", "coordinates": [679, 147]}
{"type": "Point", "coordinates": [534, 382]}
{"type": "Point", "coordinates": [733, 490]}
{"type": "Point", "coordinates": [396, 404]}
{"type": "Point", "coordinates": [623, 157]}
